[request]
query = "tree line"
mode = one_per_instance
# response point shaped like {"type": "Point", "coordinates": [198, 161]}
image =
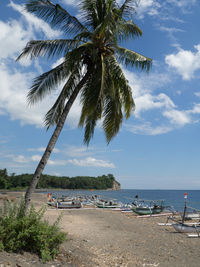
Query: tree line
{"type": "Point", "coordinates": [22, 181]}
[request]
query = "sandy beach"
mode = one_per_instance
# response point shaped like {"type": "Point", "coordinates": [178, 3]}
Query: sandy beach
{"type": "Point", "coordinates": [105, 238]}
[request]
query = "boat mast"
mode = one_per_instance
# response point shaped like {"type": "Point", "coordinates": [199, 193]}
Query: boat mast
{"type": "Point", "coordinates": [185, 208]}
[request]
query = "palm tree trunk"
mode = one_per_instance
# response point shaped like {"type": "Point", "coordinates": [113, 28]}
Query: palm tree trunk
{"type": "Point", "coordinates": [52, 142]}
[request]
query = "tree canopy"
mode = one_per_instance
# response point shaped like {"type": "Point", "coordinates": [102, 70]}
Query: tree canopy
{"type": "Point", "coordinates": [22, 181]}
{"type": "Point", "coordinates": [92, 55]}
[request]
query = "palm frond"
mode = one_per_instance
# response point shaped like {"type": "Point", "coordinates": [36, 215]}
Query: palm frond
{"type": "Point", "coordinates": [120, 85]}
{"type": "Point", "coordinates": [90, 123]}
{"type": "Point", "coordinates": [84, 36]}
{"type": "Point", "coordinates": [128, 8]}
{"type": "Point", "coordinates": [49, 48]}
{"type": "Point", "coordinates": [55, 15]}
{"type": "Point", "coordinates": [91, 104]}
{"type": "Point", "coordinates": [113, 117]}
{"type": "Point", "coordinates": [90, 96]}
{"type": "Point", "coordinates": [129, 57]}
{"type": "Point", "coordinates": [44, 84]}
{"type": "Point", "coordinates": [127, 29]}
{"type": "Point", "coordinates": [103, 74]}
{"type": "Point", "coordinates": [53, 115]}
{"type": "Point", "coordinates": [89, 12]}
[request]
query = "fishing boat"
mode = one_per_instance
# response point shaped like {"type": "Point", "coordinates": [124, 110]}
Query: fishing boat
{"type": "Point", "coordinates": [186, 228]}
{"type": "Point", "coordinates": [147, 207]}
{"type": "Point", "coordinates": [192, 215]}
{"type": "Point", "coordinates": [107, 204]}
{"type": "Point", "coordinates": [182, 226]}
{"type": "Point", "coordinates": [64, 202]}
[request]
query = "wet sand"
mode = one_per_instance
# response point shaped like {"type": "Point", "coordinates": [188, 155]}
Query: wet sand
{"type": "Point", "coordinates": [105, 238]}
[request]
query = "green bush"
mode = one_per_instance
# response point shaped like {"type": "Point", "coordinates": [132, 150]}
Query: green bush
{"type": "Point", "coordinates": [29, 233]}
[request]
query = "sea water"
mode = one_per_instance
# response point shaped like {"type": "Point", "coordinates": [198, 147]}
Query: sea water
{"type": "Point", "coordinates": [172, 198]}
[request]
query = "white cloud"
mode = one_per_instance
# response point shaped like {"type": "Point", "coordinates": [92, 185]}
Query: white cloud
{"type": "Point", "coordinates": [58, 62]}
{"type": "Point", "coordinates": [164, 10]}
{"type": "Point", "coordinates": [20, 159]}
{"type": "Point", "coordinates": [86, 162]}
{"type": "Point", "coordinates": [178, 92]}
{"type": "Point", "coordinates": [13, 91]}
{"type": "Point", "coordinates": [12, 39]}
{"type": "Point", "coordinates": [177, 117]}
{"type": "Point", "coordinates": [195, 110]}
{"type": "Point", "coordinates": [70, 2]}
{"type": "Point", "coordinates": [146, 99]}
{"type": "Point", "coordinates": [146, 83]}
{"type": "Point", "coordinates": [35, 23]}
{"type": "Point", "coordinates": [147, 102]}
{"type": "Point", "coordinates": [147, 129]}
{"type": "Point", "coordinates": [170, 30]}
{"type": "Point", "coordinates": [13, 100]}
{"type": "Point", "coordinates": [149, 7]}
{"type": "Point", "coordinates": [14, 34]}
{"type": "Point", "coordinates": [57, 162]}
{"type": "Point", "coordinates": [197, 94]}
{"type": "Point", "coordinates": [42, 149]}
{"type": "Point", "coordinates": [3, 139]}
{"type": "Point", "coordinates": [182, 3]}
{"type": "Point", "coordinates": [185, 62]}
{"type": "Point", "coordinates": [91, 162]}
{"type": "Point", "coordinates": [37, 158]}
{"type": "Point", "coordinates": [74, 151]}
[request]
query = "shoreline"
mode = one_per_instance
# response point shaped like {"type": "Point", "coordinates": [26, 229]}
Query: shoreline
{"type": "Point", "coordinates": [40, 190]}
{"type": "Point", "coordinates": [105, 238]}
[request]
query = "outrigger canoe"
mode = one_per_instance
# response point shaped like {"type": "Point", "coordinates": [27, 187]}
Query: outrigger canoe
{"type": "Point", "coordinates": [147, 207]}
{"type": "Point", "coordinates": [185, 228]}
{"type": "Point", "coordinates": [65, 204]}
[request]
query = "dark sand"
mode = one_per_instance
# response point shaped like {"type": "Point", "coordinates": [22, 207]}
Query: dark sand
{"type": "Point", "coordinates": [110, 238]}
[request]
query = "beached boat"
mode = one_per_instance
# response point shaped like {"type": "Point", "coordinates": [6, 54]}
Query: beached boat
{"type": "Point", "coordinates": [65, 204]}
{"type": "Point", "coordinates": [147, 207]}
{"type": "Point", "coordinates": [107, 204]}
{"type": "Point", "coordinates": [186, 228]}
{"type": "Point", "coordinates": [192, 215]}
{"type": "Point", "coordinates": [183, 227]}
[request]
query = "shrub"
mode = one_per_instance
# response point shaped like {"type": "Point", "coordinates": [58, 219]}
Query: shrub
{"type": "Point", "coordinates": [19, 232]}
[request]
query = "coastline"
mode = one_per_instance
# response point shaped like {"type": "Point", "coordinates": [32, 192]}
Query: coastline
{"type": "Point", "coordinates": [105, 238]}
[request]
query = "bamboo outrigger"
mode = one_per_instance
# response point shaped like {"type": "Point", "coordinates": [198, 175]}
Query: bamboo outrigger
{"type": "Point", "coordinates": [191, 229]}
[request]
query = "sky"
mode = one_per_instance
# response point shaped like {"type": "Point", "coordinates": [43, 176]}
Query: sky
{"type": "Point", "coordinates": [158, 147]}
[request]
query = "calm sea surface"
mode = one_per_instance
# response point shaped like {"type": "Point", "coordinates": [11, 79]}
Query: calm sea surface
{"type": "Point", "coordinates": [173, 198]}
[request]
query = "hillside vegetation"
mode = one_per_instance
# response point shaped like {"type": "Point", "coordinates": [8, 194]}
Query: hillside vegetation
{"type": "Point", "coordinates": [21, 181]}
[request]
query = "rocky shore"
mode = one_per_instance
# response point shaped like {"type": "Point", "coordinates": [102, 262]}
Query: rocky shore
{"type": "Point", "coordinates": [103, 238]}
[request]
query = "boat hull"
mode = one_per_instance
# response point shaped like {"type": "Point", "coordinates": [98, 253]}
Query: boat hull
{"type": "Point", "coordinates": [184, 228]}
{"type": "Point", "coordinates": [65, 205]}
{"type": "Point", "coordinates": [146, 211]}
{"type": "Point", "coordinates": [101, 206]}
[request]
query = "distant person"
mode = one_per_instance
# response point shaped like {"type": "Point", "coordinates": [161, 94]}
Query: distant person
{"type": "Point", "coordinates": [136, 196]}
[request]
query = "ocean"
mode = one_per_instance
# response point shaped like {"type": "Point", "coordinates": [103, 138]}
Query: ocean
{"type": "Point", "coordinates": [174, 198]}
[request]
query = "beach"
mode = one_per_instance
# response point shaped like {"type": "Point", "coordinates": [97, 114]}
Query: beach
{"type": "Point", "coordinates": [105, 238]}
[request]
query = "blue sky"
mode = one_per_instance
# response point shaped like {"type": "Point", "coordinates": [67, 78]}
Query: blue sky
{"type": "Point", "coordinates": [157, 148]}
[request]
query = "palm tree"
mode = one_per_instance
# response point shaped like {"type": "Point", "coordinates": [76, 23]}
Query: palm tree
{"type": "Point", "coordinates": [91, 66]}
